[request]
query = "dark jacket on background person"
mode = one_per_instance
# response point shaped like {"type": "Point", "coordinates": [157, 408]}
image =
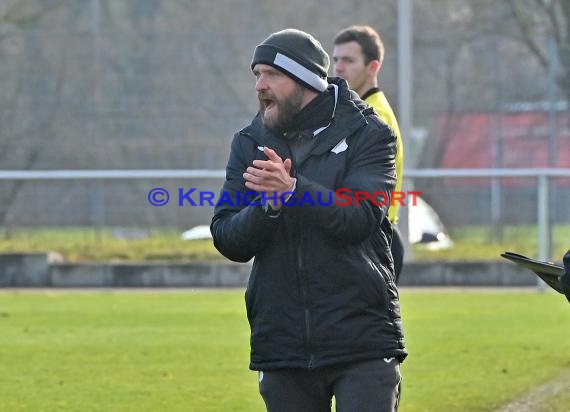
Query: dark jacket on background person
{"type": "Point", "coordinates": [566, 276]}
{"type": "Point", "coordinates": [321, 289]}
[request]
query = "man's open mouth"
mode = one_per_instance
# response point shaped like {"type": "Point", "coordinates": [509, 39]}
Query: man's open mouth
{"type": "Point", "coordinates": [268, 103]}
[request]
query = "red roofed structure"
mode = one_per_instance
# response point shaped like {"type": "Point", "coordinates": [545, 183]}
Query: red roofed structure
{"type": "Point", "coordinates": [511, 139]}
{"type": "Point", "coordinates": [517, 137]}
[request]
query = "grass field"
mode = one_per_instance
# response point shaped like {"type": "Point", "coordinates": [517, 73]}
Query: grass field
{"type": "Point", "coordinates": [79, 245]}
{"type": "Point", "coordinates": [188, 351]}
{"type": "Point", "coordinates": [477, 242]}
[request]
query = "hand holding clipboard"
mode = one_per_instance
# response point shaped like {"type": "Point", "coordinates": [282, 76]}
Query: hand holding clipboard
{"type": "Point", "coordinates": [557, 277]}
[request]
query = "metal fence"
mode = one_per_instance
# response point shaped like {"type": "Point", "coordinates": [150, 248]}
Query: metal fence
{"type": "Point", "coordinates": [500, 203]}
{"type": "Point", "coordinates": [97, 199]}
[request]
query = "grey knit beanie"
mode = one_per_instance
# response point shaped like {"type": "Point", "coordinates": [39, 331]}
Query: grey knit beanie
{"type": "Point", "coordinates": [297, 54]}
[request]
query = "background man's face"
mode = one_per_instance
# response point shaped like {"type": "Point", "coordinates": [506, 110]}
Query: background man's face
{"type": "Point", "coordinates": [280, 97]}
{"type": "Point", "coordinates": [348, 63]}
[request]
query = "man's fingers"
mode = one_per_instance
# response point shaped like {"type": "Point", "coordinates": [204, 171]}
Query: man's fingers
{"type": "Point", "coordinates": [254, 171]}
{"type": "Point", "coordinates": [253, 186]}
{"type": "Point", "coordinates": [259, 187]}
{"type": "Point", "coordinates": [248, 177]}
{"type": "Point", "coordinates": [266, 164]}
{"type": "Point", "coordinates": [287, 164]}
{"type": "Point", "coordinates": [258, 176]}
{"type": "Point", "coordinates": [267, 173]}
{"type": "Point", "coordinates": [272, 155]}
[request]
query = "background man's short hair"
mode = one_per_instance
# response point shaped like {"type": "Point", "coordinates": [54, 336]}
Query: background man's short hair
{"type": "Point", "coordinates": [368, 39]}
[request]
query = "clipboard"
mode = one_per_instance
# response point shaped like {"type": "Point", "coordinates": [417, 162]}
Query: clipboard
{"type": "Point", "coordinates": [549, 272]}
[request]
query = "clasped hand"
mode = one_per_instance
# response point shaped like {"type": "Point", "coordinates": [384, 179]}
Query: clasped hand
{"type": "Point", "coordinates": [270, 176]}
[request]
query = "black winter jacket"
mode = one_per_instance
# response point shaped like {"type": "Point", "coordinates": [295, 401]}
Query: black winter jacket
{"type": "Point", "coordinates": [566, 276]}
{"type": "Point", "coordinates": [321, 289]}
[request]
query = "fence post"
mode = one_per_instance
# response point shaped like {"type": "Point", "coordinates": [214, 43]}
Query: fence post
{"type": "Point", "coordinates": [543, 226]}
{"type": "Point", "coordinates": [496, 209]}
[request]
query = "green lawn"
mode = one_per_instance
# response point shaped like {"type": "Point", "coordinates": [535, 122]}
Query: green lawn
{"type": "Point", "coordinates": [476, 351]}
{"type": "Point", "coordinates": [85, 244]}
{"type": "Point", "coordinates": [188, 351]}
{"type": "Point", "coordinates": [477, 242]}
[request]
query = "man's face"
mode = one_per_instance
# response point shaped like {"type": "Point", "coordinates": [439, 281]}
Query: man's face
{"type": "Point", "coordinates": [348, 63]}
{"type": "Point", "coordinates": [280, 97]}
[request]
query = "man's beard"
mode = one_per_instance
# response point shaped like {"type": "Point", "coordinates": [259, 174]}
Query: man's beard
{"type": "Point", "coordinates": [287, 109]}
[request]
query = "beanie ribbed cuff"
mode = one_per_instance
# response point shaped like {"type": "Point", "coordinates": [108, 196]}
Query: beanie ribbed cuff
{"type": "Point", "coordinates": [300, 72]}
{"type": "Point", "coordinates": [267, 54]}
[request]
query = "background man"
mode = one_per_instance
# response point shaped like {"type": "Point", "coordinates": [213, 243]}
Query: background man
{"type": "Point", "coordinates": [358, 54]}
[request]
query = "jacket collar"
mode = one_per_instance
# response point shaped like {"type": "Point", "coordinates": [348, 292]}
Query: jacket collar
{"type": "Point", "coordinates": [347, 118]}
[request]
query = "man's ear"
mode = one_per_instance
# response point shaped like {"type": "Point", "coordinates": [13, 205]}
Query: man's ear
{"type": "Point", "coordinates": [374, 67]}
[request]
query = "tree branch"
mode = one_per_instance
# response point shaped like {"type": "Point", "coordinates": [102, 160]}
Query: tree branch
{"type": "Point", "coordinates": [524, 24]}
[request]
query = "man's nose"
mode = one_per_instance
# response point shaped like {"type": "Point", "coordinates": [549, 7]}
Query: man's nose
{"type": "Point", "coordinates": [338, 69]}
{"type": "Point", "coordinates": [260, 83]}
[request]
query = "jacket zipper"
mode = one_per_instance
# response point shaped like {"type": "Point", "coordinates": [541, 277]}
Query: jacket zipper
{"type": "Point", "coordinates": [306, 306]}
{"type": "Point", "coordinates": [302, 282]}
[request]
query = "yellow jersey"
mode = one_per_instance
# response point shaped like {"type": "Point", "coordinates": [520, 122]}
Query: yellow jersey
{"type": "Point", "coordinates": [380, 104]}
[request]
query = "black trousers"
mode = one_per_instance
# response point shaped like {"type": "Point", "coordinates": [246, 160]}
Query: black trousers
{"type": "Point", "coordinates": [366, 386]}
{"type": "Point", "coordinates": [397, 248]}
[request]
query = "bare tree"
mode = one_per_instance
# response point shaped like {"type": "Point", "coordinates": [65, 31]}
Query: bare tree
{"type": "Point", "coordinates": [15, 18]}
{"type": "Point", "coordinates": [539, 20]}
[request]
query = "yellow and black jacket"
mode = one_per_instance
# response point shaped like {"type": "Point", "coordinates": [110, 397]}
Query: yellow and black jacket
{"type": "Point", "coordinates": [375, 98]}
